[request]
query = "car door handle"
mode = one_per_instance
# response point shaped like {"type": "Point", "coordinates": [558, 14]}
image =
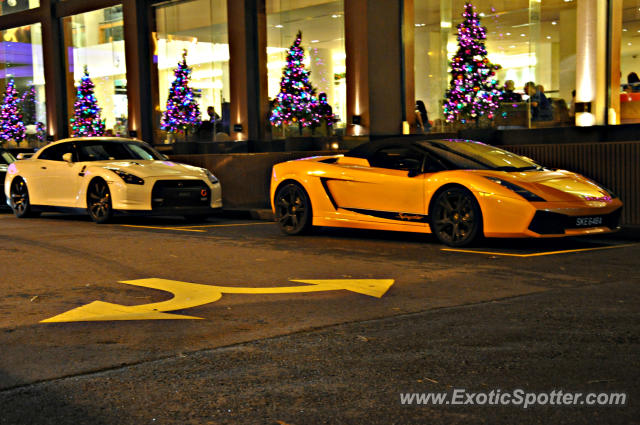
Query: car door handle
{"type": "Point", "coordinates": [44, 168]}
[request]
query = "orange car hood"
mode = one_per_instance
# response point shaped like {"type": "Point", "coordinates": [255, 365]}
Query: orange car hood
{"type": "Point", "coordinates": [554, 186]}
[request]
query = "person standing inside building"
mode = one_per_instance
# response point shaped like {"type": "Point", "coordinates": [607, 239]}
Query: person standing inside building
{"type": "Point", "coordinates": [422, 119]}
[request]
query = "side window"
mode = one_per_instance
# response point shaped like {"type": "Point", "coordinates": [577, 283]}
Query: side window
{"type": "Point", "coordinates": [54, 153]}
{"type": "Point", "coordinates": [395, 158]}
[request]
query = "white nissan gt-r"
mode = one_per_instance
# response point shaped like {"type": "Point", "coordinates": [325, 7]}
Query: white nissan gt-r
{"type": "Point", "coordinates": [106, 175]}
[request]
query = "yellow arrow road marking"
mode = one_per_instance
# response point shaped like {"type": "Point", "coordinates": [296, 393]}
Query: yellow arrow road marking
{"type": "Point", "coordinates": [187, 295]}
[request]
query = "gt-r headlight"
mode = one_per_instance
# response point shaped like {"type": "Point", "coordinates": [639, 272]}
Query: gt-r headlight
{"type": "Point", "coordinates": [529, 196]}
{"type": "Point", "coordinates": [213, 179]}
{"type": "Point", "coordinates": [128, 178]}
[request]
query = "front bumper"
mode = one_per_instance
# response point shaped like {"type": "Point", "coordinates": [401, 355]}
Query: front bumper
{"type": "Point", "coordinates": [508, 217]}
{"type": "Point", "coordinates": [162, 196]}
{"type": "Point", "coordinates": [171, 211]}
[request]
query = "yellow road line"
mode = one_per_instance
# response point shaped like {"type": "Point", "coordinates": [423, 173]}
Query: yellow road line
{"type": "Point", "coordinates": [227, 225]}
{"type": "Point", "coordinates": [193, 228]}
{"type": "Point", "coordinates": [161, 228]}
{"type": "Point", "coordinates": [538, 254]}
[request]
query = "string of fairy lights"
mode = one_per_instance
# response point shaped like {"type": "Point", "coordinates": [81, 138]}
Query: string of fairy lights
{"type": "Point", "coordinates": [473, 88]}
{"type": "Point", "coordinates": [297, 103]}
{"type": "Point", "coordinates": [182, 113]}
{"type": "Point", "coordinates": [86, 121]}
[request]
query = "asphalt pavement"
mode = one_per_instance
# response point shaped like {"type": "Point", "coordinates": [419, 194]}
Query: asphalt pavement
{"type": "Point", "coordinates": [332, 327]}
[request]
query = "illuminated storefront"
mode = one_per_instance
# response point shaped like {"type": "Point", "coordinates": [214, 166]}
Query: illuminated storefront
{"type": "Point", "coordinates": [372, 59]}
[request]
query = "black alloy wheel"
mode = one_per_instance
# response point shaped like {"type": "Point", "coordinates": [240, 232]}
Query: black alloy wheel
{"type": "Point", "coordinates": [99, 201]}
{"type": "Point", "coordinates": [20, 199]}
{"type": "Point", "coordinates": [456, 219]}
{"type": "Point", "coordinates": [293, 209]}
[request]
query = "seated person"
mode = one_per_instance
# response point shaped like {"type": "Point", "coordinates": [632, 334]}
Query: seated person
{"type": "Point", "coordinates": [633, 82]}
{"type": "Point", "coordinates": [508, 94]}
{"type": "Point", "coordinates": [541, 109]}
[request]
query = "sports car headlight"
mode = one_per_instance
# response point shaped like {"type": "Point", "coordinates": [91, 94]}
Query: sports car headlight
{"type": "Point", "coordinates": [531, 197]}
{"type": "Point", "coordinates": [213, 179]}
{"type": "Point", "coordinates": [128, 178]}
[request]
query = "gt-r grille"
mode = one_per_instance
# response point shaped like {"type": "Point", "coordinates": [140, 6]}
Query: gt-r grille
{"type": "Point", "coordinates": [551, 223]}
{"type": "Point", "coordinates": [180, 193]}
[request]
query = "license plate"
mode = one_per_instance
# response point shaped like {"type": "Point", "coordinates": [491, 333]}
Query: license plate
{"type": "Point", "coordinates": [589, 221]}
{"type": "Point", "coordinates": [184, 194]}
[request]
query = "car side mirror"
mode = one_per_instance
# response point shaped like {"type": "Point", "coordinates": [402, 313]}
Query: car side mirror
{"type": "Point", "coordinates": [67, 157]}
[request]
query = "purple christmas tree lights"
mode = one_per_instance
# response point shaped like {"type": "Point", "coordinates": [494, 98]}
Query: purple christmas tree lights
{"type": "Point", "coordinates": [11, 125]}
{"type": "Point", "coordinates": [86, 121]}
{"type": "Point", "coordinates": [296, 102]}
{"type": "Point", "coordinates": [473, 88]}
{"type": "Point", "coordinates": [182, 113]}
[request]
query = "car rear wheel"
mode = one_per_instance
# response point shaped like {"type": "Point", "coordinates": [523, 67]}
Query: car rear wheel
{"type": "Point", "coordinates": [456, 219]}
{"type": "Point", "coordinates": [99, 201]}
{"type": "Point", "coordinates": [293, 209]}
{"type": "Point", "coordinates": [20, 199]}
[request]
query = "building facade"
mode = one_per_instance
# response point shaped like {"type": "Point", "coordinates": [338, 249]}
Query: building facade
{"type": "Point", "coordinates": [373, 59]}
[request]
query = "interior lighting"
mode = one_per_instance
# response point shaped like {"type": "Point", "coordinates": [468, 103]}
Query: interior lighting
{"type": "Point", "coordinates": [585, 119]}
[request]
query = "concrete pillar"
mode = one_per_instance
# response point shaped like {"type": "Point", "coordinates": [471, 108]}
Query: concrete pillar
{"type": "Point", "coordinates": [567, 64]}
{"type": "Point", "coordinates": [247, 25]}
{"type": "Point", "coordinates": [591, 41]}
{"type": "Point", "coordinates": [615, 29]}
{"type": "Point", "coordinates": [138, 59]}
{"type": "Point", "coordinates": [375, 92]}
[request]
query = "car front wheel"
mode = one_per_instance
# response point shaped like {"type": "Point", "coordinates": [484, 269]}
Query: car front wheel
{"type": "Point", "coordinates": [456, 219]}
{"type": "Point", "coordinates": [20, 199]}
{"type": "Point", "coordinates": [99, 201]}
{"type": "Point", "coordinates": [293, 209]}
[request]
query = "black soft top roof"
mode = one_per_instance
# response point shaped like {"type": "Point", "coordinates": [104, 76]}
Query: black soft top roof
{"type": "Point", "coordinates": [367, 149]}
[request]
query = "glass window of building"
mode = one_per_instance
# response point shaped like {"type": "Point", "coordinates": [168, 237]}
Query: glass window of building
{"type": "Point", "coordinates": [22, 72]}
{"type": "Point", "coordinates": [523, 37]}
{"type": "Point", "coordinates": [321, 23]}
{"type": "Point", "coordinates": [13, 6]}
{"type": "Point", "coordinates": [94, 41]}
{"type": "Point", "coordinates": [630, 63]}
{"type": "Point", "coordinates": [198, 27]}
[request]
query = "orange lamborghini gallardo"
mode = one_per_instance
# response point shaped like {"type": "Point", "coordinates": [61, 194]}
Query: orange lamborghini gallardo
{"type": "Point", "coordinates": [457, 189]}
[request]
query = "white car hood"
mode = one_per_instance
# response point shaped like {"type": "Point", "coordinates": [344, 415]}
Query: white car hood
{"type": "Point", "coordinates": [151, 168]}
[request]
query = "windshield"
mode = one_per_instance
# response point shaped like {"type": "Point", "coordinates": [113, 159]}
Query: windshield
{"type": "Point", "coordinates": [6, 158]}
{"type": "Point", "coordinates": [464, 154]}
{"type": "Point", "coordinates": [114, 151]}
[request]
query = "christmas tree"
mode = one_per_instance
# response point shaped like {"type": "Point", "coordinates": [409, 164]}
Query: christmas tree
{"type": "Point", "coordinates": [296, 103]}
{"type": "Point", "coordinates": [29, 106]}
{"type": "Point", "coordinates": [473, 89]}
{"type": "Point", "coordinates": [86, 121]}
{"type": "Point", "coordinates": [11, 125]}
{"type": "Point", "coordinates": [182, 112]}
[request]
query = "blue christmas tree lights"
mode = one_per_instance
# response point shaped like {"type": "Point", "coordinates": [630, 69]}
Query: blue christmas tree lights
{"type": "Point", "coordinates": [86, 121]}
{"type": "Point", "coordinates": [182, 114]}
